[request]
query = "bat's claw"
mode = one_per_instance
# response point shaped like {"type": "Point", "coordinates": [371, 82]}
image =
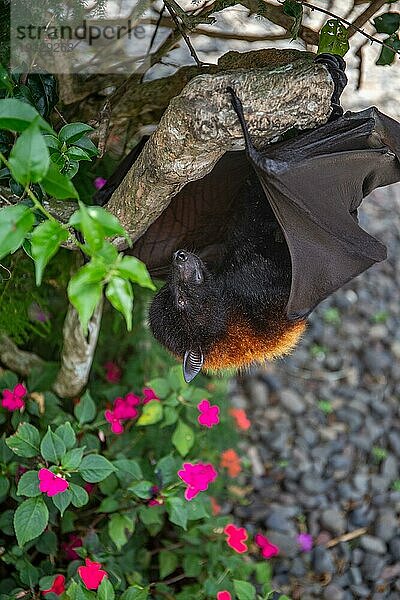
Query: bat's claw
{"type": "Point", "coordinates": [336, 67]}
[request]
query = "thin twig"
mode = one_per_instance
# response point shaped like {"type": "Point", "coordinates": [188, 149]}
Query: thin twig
{"type": "Point", "coordinates": [351, 25]}
{"type": "Point", "coordinates": [366, 15]}
{"type": "Point", "coordinates": [181, 28]}
{"type": "Point", "coordinates": [346, 537]}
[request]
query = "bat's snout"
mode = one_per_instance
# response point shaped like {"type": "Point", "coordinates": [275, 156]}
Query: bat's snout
{"type": "Point", "coordinates": [188, 267]}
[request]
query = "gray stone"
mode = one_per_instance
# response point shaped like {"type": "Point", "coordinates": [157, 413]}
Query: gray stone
{"type": "Point", "coordinates": [361, 516]}
{"type": "Point", "coordinates": [312, 483]}
{"type": "Point", "coordinates": [333, 592]}
{"type": "Point", "coordinates": [333, 520]}
{"type": "Point", "coordinates": [287, 544]}
{"type": "Point", "coordinates": [292, 402]}
{"type": "Point", "coordinates": [380, 483]}
{"type": "Point", "coordinates": [372, 566]}
{"type": "Point", "coordinates": [298, 568]}
{"type": "Point", "coordinates": [322, 561]}
{"type": "Point", "coordinates": [394, 441]}
{"type": "Point", "coordinates": [357, 556]}
{"type": "Point", "coordinates": [279, 522]}
{"type": "Point", "coordinates": [370, 543]}
{"type": "Point", "coordinates": [394, 547]}
{"type": "Point", "coordinates": [360, 591]}
{"type": "Point", "coordinates": [355, 575]}
{"type": "Point", "coordinates": [390, 467]}
{"type": "Point", "coordinates": [386, 525]}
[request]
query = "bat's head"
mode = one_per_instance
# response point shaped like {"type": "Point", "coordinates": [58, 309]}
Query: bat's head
{"type": "Point", "coordinates": [187, 315]}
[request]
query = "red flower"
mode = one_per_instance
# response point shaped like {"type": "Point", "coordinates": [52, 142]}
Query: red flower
{"type": "Point", "coordinates": [236, 537]}
{"type": "Point", "coordinates": [215, 507]}
{"type": "Point", "coordinates": [268, 549]}
{"type": "Point", "coordinates": [231, 461]}
{"type": "Point", "coordinates": [12, 400]}
{"type": "Point", "coordinates": [58, 586]}
{"type": "Point", "coordinates": [69, 547]}
{"type": "Point", "coordinates": [113, 372]}
{"type": "Point", "coordinates": [224, 595]}
{"type": "Point", "coordinates": [240, 417]}
{"type": "Point", "coordinates": [92, 575]}
{"type": "Point", "coordinates": [197, 477]}
{"type": "Point", "coordinates": [50, 483]}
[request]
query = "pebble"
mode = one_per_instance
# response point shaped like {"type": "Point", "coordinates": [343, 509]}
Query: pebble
{"type": "Point", "coordinates": [394, 547]}
{"type": "Point", "coordinates": [332, 592]}
{"type": "Point", "coordinates": [370, 543]}
{"type": "Point", "coordinates": [322, 561]}
{"type": "Point", "coordinates": [333, 520]}
{"type": "Point", "coordinates": [292, 402]}
{"type": "Point", "coordinates": [387, 525]}
{"type": "Point", "coordinates": [372, 566]}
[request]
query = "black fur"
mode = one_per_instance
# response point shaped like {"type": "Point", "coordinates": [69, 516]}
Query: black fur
{"type": "Point", "coordinates": [251, 281]}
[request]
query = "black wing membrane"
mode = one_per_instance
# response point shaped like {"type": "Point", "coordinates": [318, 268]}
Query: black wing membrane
{"type": "Point", "coordinates": [315, 184]}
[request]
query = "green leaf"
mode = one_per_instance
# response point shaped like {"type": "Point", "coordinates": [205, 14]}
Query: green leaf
{"type": "Point", "coordinates": [387, 56]}
{"type": "Point", "coordinates": [105, 590]}
{"type": "Point", "coordinates": [88, 146]}
{"type": "Point", "coordinates": [178, 511]}
{"type": "Point", "coordinates": [127, 467]}
{"type": "Point", "coordinates": [142, 489]}
{"type": "Point", "coordinates": [244, 590]}
{"type": "Point", "coordinates": [85, 410]}
{"type": "Point", "coordinates": [47, 544]}
{"type": "Point", "coordinates": [387, 23]}
{"type": "Point", "coordinates": [30, 519]}
{"type": "Point", "coordinates": [6, 83]}
{"type": "Point", "coordinates": [95, 468]}
{"type": "Point", "coordinates": [294, 9]}
{"type": "Point", "coordinates": [46, 240]}
{"type": "Point", "coordinates": [18, 116]}
{"type": "Point", "coordinates": [62, 501]}
{"type": "Point", "coordinates": [67, 434]}
{"type": "Point", "coordinates": [25, 441]}
{"type": "Point", "coordinates": [4, 486]}
{"type": "Point", "coordinates": [79, 496]}
{"type": "Point", "coordinates": [109, 223]}
{"type": "Point", "coordinates": [52, 447]}
{"type": "Point", "coordinates": [28, 485]}
{"type": "Point", "coordinates": [333, 38]}
{"type": "Point", "coordinates": [136, 593]}
{"type": "Point", "coordinates": [76, 153]}
{"type": "Point", "coordinates": [136, 271]}
{"type": "Point", "coordinates": [168, 562]}
{"type": "Point", "coordinates": [29, 158]}
{"type": "Point", "coordinates": [15, 223]}
{"type": "Point", "coordinates": [72, 459]}
{"type": "Point", "coordinates": [183, 438]}
{"type": "Point", "coordinates": [119, 293]}
{"type": "Point", "coordinates": [85, 289]}
{"type": "Point", "coordinates": [45, 583]}
{"type": "Point", "coordinates": [120, 527]}
{"type": "Point", "coordinates": [58, 185]}
{"type": "Point", "coordinates": [73, 132]}
{"type": "Point", "coordinates": [152, 412]}
{"type": "Point", "coordinates": [167, 469]}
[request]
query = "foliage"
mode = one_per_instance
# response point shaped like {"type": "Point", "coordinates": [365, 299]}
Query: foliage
{"type": "Point", "coordinates": [121, 502]}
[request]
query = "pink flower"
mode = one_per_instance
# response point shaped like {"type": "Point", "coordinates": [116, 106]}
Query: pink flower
{"type": "Point", "coordinates": [89, 487]}
{"type": "Point", "coordinates": [157, 498]}
{"type": "Point", "coordinates": [236, 537]}
{"type": "Point", "coordinates": [92, 574]}
{"type": "Point", "coordinates": [197, 477]}
{"type": "Point", "coordinates": [113, 372]}
{"type": "Point", "coordinates": [12, 400]}
{"type": "Point", "coordinates": [116, 425]}
{"type": "Point", "coordinates": [268, 550]}
{"type": "Point", "coordinates": [58, 586]}
{"type": "Point", "coordinates": [51, 484]}
{"type": "Point", "coordinates": [149, 394]}
{"type": "Point", "coordinates": [209, 415]}
{"type": "Point", "coordinates": [305, 542]}
{"type": "Point", "coordinates": [224, 595]}
{"type": "Point", "coordinates": [69, 547]}
{"type": "Point", "coordinates": [99, 182]}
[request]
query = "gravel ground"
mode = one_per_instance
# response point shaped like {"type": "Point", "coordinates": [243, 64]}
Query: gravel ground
{"type": "Point", "coordinates": [325, 438]}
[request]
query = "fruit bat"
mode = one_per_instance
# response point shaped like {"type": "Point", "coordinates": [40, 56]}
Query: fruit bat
{"type": "Point", "coordinates": [252, 248]}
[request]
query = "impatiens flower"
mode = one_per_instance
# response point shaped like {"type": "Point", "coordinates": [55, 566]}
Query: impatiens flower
{"type": "Point", "coordinates": [215, 507]}
{"type": "Point", "coordinates": [50, 483]}
{"type": "Point", "coordinates": [92, 575]}
{"type": "Point", "coordinates": [236, 537]}
{"type": "Point", "coordinates": [224, 595]}
{"type": "Point", "coordinates": [305, 542]}
{"type": "Point", "coordinates": [156, 499]}
{"type": "Point", "coordinates": [209, 415]}
{"type": "Point", "coordinates": [240, 417]}
{"type": "Point", "coordinates": [89, 487]}
{"type": "Point", "coordinates": [36, 313]}
{"type": "Point", "coordinates": [113, 372]}
{"type": "Point", "coordinates": [58, 586]}
{"type": "Point", "coordinates": [99, 182]}
{"type": "Point", "coordinates": [268, 549]}
{"type": "Point", "coordinates": [69, 547]}
{"type": "Point", "coordinates": [149, 394]}
{"type": "Point", "coordinates": [197, 477]}
{"type": "Point", "coordinates": [116, 425]}
{"type": "Point", "coordinates": [231, 461]}
{"type": "Point", "coordinates": [12, 400]}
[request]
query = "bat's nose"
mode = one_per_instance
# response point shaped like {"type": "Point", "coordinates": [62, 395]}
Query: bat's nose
{"type": "Point", "coordinates": [180, 256]}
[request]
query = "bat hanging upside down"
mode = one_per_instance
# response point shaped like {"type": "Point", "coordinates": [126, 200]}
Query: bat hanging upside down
{"type": "Point", "coordinates": [275, 233]}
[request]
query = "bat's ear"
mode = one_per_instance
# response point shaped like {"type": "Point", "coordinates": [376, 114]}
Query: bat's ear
{"type": "Point", "coordinates": [192, 363]}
